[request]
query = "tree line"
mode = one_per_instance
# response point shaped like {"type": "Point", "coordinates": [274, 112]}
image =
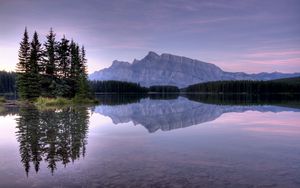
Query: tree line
{"type": "Point", "coordinates": [7, 82]}
{"type": "Point", "coordinates": [54, 69]}
{"type": "Point", "coordinates": [229, 86]}
{"type": "Point", "coordinates": [244, 86]}
{"type": "Point", "coordinates": [113, 86]}
{"type": "Point", "coordinates": [164, 89]}
{"type": "Point", "coordinates": [289, 100]}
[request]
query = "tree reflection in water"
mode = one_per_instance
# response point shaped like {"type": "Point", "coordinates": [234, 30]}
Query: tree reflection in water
{"type": "Point", "coordinates": [52, 135]}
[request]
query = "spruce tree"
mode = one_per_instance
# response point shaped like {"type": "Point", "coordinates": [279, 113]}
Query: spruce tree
{"type": "Point", "coordinates": [83, 85]}
{"type": "Point", "coordinates": [23, 67]}
{"type": "Point", "coordinates": [63, 88]}
{"type": "Point", "coordinates": [35, 66]}
{"type": "Point", "coordinates": [75, 68]}
{"type": "Point", "coordinates": [48, 80]}
{"type": "Point", "coordinates": [36, 63]}
{"type": "Point", "coordinates": [63, 56]}
{"type": "Point", "coordinates": [83, 62]}
{"type": "Point", "coordinates": [50, 54]}
{"type": "Point", "coordinates": [74, 60]}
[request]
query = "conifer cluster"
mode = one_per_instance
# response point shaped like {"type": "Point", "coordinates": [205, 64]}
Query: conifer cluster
{"type": "Point", "coordinates": [7, 82]}
{"type": "Point", "coordinates": [54, 69]}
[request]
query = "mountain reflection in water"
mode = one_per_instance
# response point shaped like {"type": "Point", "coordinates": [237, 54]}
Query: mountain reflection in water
{"type": "Point", "coordinates": [60, 136]}
{"type": "Point", "coordinates": [181, 112]}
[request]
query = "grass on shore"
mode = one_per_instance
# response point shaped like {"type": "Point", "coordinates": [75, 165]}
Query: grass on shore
{"type": "Point", "coordinates": [2, 100]}
{"type": "Point", "coordinates": [43, 101]}
{"type": "Point", "coordinates": [60, 101]}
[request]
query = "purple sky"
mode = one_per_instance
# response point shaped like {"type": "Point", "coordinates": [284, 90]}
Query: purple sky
{"type": "Point", "coordinates": [237, 35]}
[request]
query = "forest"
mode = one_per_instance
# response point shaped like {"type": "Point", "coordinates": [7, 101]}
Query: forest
{"type": "Point", "coordinates": [244, 86]}
{"type": "Point", "coordinates": [164, 89]}
{"type": "Point", "coordinates": [7, 82]}
{"type": "Point", "coordinates": [54, 69]}
{"type": "Point", "coordinates": [112, 86]}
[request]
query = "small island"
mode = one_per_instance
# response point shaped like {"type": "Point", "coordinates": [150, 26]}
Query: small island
{"type": "Point", "coordinates": [54, 73]}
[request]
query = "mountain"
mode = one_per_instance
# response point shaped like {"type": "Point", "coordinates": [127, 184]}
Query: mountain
{"type": "Point", "coordinates": [168, 69]}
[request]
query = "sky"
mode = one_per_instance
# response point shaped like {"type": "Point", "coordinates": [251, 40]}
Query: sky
{"type": "Point", "coordinates": [237, 35]}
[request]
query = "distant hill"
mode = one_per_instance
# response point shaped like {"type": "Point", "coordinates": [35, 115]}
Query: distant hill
{"type": "Point", "coordinates": [168, 69]}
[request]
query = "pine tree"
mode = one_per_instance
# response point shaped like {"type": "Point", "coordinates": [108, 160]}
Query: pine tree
{"type": "Point", "coordinates": [50, 54]}
{"type": "Point", "coordinates": [35, 66]}
{"type": "Point", "coordinates": [23, 67]}
{"type": "Point", "coordinates": [75, 68]}
{"type": "Point", "coordinates": [83, 62]}
{"type": "Point", "coordinates": [62, 87]}
{"type": "Point", "coordinates": [74, 60]}
{"type": "Point", "coordinates": [36, 63]}
{"type": "Point", "coordinates": [63, 56]}
{"type": "Point", "coordinates": [50, 59]}
{"type": "Point", "coordinates": [82, 80]}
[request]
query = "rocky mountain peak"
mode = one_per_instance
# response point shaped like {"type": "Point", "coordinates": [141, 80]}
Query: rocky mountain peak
{"type": "Point", "coordinates": [151, 56]}
{"type": "Point", "coordinates": [117, 63]}
{"type": "Point", "coordinates": [168, 69]}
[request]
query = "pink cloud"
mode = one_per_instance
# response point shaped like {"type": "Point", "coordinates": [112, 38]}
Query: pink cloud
{"type": "Point", "coordinates": [290, 61]}
{"type": "Point", "coordinates": [255, 66]}
{"type": "Point", "coordinates": [274, 53]}
{"type": "Point", "coordinates": [265, 60]}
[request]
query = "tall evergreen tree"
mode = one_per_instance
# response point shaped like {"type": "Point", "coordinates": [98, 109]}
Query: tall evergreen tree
{"type": "Point", "coordinates": [74, 60]}
{"type": "Point", "coordinates": [35, 66]}
{"type": "Point", "coordinates": [63, 56]}
{"type": "Point", "coordinates": [23, 67]}
{"type": "Point", "coordinates": [75, 68]}
{"type": "Point", "coordinates": [83, 85]}
{"type": "Point", "coordinates": [62, 88]}
{"type": "Point", "coordinates": [50, 59]}
{"type": "Point", "coordinates": [83, 62]}
{"type": "Point", "coordinates": [36, 63]}
{"type": "Point", "coordinates": [50, 54]}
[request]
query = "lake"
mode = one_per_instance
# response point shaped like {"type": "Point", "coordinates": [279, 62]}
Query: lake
{"type": "Point", "coordinates": [158, 141]}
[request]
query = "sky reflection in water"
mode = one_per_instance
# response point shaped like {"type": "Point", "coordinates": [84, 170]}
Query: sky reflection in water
{"type": "Point", "coordinates": [169, 143]}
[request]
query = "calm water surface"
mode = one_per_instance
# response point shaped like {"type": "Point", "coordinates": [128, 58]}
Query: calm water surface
{"type": "Point", "coordinates": [151, 143]}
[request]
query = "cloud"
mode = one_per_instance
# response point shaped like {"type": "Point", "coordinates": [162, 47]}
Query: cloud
{"type": "Point", "coordinates": [285, 62]}
{"type": "Point", "coordinates": [255, 66]}
{"type": "Point", "coordinates": [268, 54]}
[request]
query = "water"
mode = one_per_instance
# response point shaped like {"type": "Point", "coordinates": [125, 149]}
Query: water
{"type": "Point", "coordinates": [152, 142]}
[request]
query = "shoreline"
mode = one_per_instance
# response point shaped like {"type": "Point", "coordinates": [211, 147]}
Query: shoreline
{"type": "Point", "coordinates": [45, 102]}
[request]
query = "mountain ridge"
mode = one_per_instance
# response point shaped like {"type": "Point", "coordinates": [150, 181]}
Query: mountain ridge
{"type": "Point", "coordinates": [168, 69]}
